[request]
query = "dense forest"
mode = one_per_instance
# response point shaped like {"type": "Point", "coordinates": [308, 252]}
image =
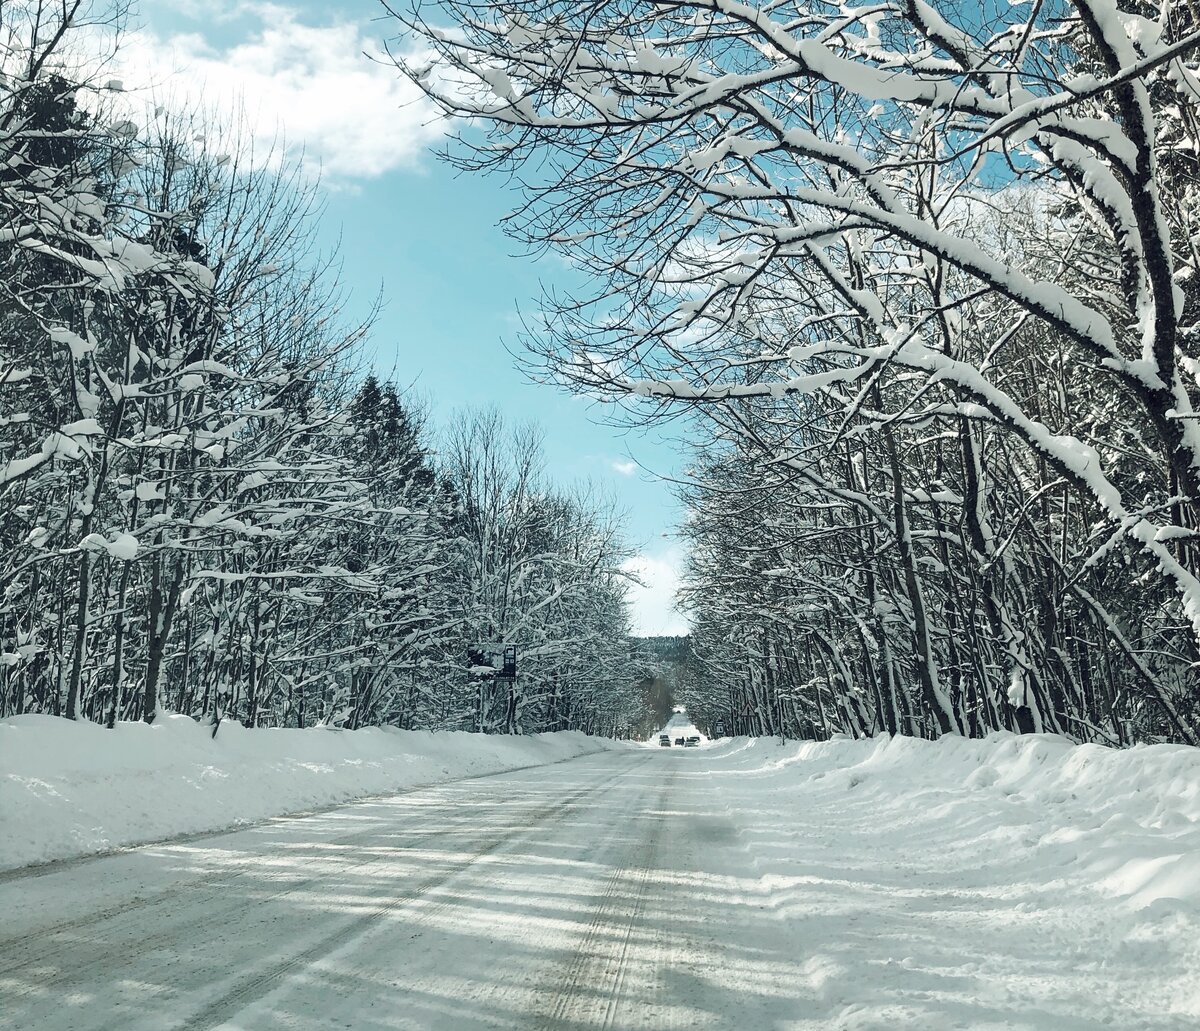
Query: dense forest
{"type": "Point", "coordinates": [918, 287]}
{"type": "Point", "coordinates": [205, 506]}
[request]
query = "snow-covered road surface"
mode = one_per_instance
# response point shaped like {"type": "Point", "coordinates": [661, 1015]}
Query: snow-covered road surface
{"type": "Point", "coordinates": [639, 888]}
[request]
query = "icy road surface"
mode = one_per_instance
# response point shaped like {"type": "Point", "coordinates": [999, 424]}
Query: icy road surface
{"type": "Point", "coordinates": [641, 888]}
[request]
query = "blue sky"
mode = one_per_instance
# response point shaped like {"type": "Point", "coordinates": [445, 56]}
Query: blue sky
{"type": "Point", "coordinates": [451, 285]}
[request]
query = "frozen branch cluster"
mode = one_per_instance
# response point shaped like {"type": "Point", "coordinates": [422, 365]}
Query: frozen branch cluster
{"type": "Point", "coordinates": [923, 278]}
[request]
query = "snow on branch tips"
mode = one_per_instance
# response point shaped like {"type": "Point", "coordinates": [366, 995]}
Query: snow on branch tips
{"type": "Point", "coordinates": [885, 252]}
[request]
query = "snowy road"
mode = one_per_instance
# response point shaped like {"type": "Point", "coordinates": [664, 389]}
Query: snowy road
{"type": "Point", "coordinates": [629, 889]}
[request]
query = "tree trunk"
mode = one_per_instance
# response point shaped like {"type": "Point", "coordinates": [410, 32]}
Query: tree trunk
{"type": "Point", "coordinates": [161, 615]}
{"type": "Point", "coordinates": [936, 701]}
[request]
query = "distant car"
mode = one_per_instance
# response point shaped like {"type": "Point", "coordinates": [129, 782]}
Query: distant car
{"type": "Point", "coordinates": [664, 740]}
{"type": "Point", "coordinates": [680, 741]}
{"type": "Point", "coordinates": [693, 741]}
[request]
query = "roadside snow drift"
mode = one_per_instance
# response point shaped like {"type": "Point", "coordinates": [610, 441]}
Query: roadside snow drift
{"type": "Point", "coordinates": [1128, 820]}
{"type": "Point", "coordinates": [72, 788]}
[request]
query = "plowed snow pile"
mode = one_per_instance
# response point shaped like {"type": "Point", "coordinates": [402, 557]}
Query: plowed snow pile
{"type": "Point", "coordinates": [1003, 883]}
{"type": "Point", "coordinates": [1129, 819]}
{"type": "Point", "coordinates": [68, 789]}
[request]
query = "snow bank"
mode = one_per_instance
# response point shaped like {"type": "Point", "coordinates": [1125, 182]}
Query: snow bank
{"type": "Point", "coordinates": [69, 789]}
{"type": "Point", "coordinates": [1128, 820]}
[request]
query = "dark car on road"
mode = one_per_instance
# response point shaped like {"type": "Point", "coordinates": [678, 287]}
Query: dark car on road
{"type": "Point", "coordinates": [664, 740]}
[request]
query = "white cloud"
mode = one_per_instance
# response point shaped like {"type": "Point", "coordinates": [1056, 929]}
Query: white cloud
{"type": "Point", "coordinates": [653, 606]}
{"type": "Point", "coordinates": [219, 10]}
{"type": "Point", "coordinates": [624, 468]}
{"type": "Point", "coordinates": [312, 83]}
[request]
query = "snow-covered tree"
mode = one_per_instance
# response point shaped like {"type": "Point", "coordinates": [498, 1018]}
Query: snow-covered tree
{"type": "Point", "coordinates": [204, 505]}
{"type": "Point", "coordinates": [856, 240]}
{"type": "Point", "coordinates": [540, 570]}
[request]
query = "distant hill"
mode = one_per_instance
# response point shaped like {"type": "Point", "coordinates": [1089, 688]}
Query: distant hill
{"type": "Point", "coordinates": [664, 649]}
